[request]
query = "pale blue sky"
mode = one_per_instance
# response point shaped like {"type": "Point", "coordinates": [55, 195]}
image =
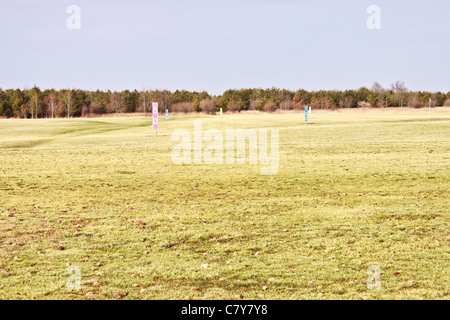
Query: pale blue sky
{"type": "Point", "coordinates": [216, 45]}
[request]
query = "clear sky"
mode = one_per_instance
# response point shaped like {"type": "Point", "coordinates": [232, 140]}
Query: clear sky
{"type": "Point", "coordinates": [217, 45]}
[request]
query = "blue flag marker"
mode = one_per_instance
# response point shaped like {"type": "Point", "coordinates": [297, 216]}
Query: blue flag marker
{"type": "Point", "coordinates": [306, 113]}
{"type": "Point", "coordinates": [167, 114]}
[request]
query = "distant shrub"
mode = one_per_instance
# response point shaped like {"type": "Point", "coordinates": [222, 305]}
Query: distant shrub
{"type": "Point", "coordinates": [270, 106]}
{"type": "Point", "coordinates": [299, 106]}
{"type": "Point", "coordinates": [364, 104]}
{"type": "Point", "coordinates": [183, 107]}
{"type": "Point", "coordinates": [92, 109]}
{"type": "Point", "coordinates": [255, 105]}
{"type": "Point", "coordinates": [208, 106]}
{"type": "Point", "coordinates": [416, 104]}
{"type": "Point", "coordinates": [447, 103]}
{"type": "Point", "coordinates": [234, 107]}
{"type": "Point", "coordinates": [97, 108]}
{"type": "Point", "coordinates": [287, 105]}
{"type": "Point", "coordinates": [322, 103]}
{"type": "Point", "coordinates": [347, 102]}
{"type": "Point", "coordinates": [85, 111]}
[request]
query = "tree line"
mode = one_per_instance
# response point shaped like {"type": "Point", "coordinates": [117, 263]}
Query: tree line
{"type": "Point", "coordinates": [51, 103]}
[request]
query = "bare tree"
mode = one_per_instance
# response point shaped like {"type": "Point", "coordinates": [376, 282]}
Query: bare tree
{"type": "Point", "coordinates": [51, 102]}
{"type": "Point", "coordinates": [401, 91]}
{"type": "Point", "coordinates": [116, 102]}
{"type": "Point", "coordinates": [60, 108]}
{"type": "Point", "coordinates": [377, 87]}
{"type": "Point", "coordinates": [347, 101]}
{"type": "Point", "coordinates": [36, 102]}
{"type": "Point", "coordinates": [287, 104]}
{"type": "Point", "coordinates": [145, 100]}
{"type": "Point", "coordinates": [322, 103]}
{"type": "Point", "coordinates": [165, 97]}
{"type": "Point", "coordinates": [208, 106]}
{"type": "Point", "coordinates": [67, 98]}
{"type": "Point", "coordinates": [33, 101]}
{"type": "Point", "coordinates": [398, 86]}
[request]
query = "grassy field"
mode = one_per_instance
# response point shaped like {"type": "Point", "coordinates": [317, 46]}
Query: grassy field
{"type": "Point", "coordinates": [355, 188]}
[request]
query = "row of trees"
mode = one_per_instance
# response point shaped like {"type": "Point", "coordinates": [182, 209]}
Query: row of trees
{"type": "Point", "coordinates": [50, 103]}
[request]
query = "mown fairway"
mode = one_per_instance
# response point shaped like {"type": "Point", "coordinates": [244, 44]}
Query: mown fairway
{"type": "Point", "coordinates": [354, 189]}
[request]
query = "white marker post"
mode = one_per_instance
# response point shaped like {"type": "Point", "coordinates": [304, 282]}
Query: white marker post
{"type": "Point", "coordinates": [429, 111]}
{"type": "Point", "coordinates": [155, 116]}
{"type": "Point", "coordinates": [306, 114]}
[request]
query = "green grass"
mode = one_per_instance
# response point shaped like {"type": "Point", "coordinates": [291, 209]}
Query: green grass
{"type": "Point", "coordinates": [355, 188]}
